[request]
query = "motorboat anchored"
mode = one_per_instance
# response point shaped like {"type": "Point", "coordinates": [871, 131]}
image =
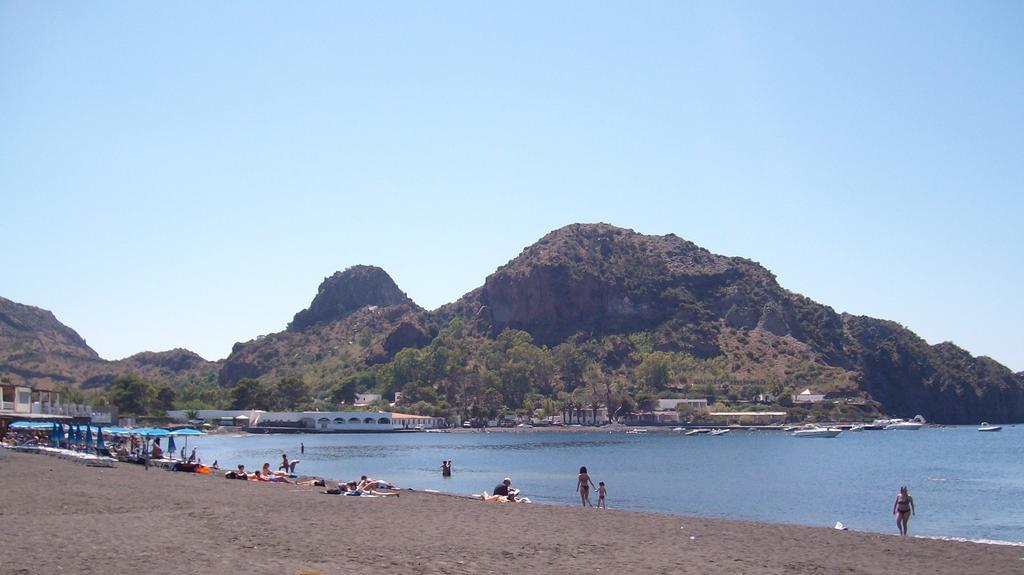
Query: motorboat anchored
{"type": "Point", "coordinates": [719, 431]}
{"type": "Point", "coordinates": [898, 425]}
{"type": "Point", "coordinates": [700, 431]}
{"type": "Point", "coordinates": [986, 426]}
{"type": "Point", "coordinates": [817, 431]}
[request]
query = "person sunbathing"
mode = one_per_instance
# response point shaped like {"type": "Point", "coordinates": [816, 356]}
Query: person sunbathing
{"type": "Point", "coordinates": [368, 484]}
{"type": "Point", "coordinates": [266, 474]}
{"type": "Point", "coordinates": [354, 489]}
{"type": "Point", "coordinates": [498, 498]}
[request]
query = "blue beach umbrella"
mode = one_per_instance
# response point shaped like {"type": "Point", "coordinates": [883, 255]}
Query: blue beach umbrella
{"type": "Point", "coordinates": [186, 433]}
{"type": "Point", "coordinates": [99, 438]}
{"type": "Point", "coordinates": [54, 438]}
{"type": "Point", "coordinates": [72, 435]}
{"type": "Point", "coordinates": [170, 446]}
{"type": "Point", "coordinates": [88, 436]}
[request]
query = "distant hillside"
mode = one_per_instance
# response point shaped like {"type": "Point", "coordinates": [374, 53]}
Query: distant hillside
{"type": "Point", "coordinates": [36, 348]}
{"type": "Point", "coordinates": [591, 315]}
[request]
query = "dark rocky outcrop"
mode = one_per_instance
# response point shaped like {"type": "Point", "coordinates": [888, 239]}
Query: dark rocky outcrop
{"type": "Point", "coordinates": [599, 280]}
{"type": "Point", "coordinates": [347, 291]}
{"type": "Point", "coordinates": [359, 317]}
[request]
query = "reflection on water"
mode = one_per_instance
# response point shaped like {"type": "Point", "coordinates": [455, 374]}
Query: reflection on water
{"type": "Point", "coordinates": [965, 484]}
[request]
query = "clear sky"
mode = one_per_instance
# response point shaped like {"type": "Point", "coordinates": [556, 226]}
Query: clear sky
{"type": "Point", "coordinates": [186, 174]}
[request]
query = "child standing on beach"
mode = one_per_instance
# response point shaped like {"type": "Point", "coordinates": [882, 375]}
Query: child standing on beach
{"type": "Point", "coordinates": [601, 491]}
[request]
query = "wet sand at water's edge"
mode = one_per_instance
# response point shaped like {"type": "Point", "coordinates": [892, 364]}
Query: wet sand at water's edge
{"type": "Point", "coordinates": [60, 517]}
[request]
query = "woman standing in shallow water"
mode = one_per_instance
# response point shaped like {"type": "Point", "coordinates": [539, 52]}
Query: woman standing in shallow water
{"type": "Point", "coordinates": [903, 508]}
{"type": "Point", "coordinates": [583, 484]}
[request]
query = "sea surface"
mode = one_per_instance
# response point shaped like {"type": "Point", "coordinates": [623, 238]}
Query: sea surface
{"type": "Point", "coordinates": [965, 484]}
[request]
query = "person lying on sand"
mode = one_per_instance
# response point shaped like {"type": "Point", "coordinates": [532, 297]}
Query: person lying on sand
{"type": "Point", "coordinates": [353, 489]}
{"type": "Point", "coordinates": [369, 484]}
{"type": "Point", "coordinates": [266, 474]}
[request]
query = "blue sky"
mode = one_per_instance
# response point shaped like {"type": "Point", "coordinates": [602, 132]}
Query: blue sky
{"type": "Point", "coordinates": [185, 175]}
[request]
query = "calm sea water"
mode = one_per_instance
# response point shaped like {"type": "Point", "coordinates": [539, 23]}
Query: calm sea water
{"type": "Point", "coordinates": [965, 483]}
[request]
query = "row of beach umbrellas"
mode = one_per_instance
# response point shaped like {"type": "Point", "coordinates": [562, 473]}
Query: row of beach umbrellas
{"type": "Point", "coordinates": [84, 434]}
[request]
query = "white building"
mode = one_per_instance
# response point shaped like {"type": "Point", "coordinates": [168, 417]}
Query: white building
{"type": "Point", "coordinates": [670, 404]}
{"type": "Point", "coordinates": [331, 421]}
{"type": "Point", "coordinates": [807, 396]}
{"type": "Point", "coordinates": [367, 398]}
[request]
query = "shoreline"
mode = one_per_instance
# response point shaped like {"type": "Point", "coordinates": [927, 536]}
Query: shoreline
{"type": "Point", "coordinates": [126, 519]}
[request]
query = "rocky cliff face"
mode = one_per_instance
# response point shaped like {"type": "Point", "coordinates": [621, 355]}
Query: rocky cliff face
{"type": "Point", "coordinates": [359, 317]}
{"type": "Point", "coordinates": [600, 280]}
{"type": "Point", "coordinates": [347, 291]}
{"type": "Point", "coordinates": [35, 347]}
{"type": "Point", "coordinates": [943, 382]}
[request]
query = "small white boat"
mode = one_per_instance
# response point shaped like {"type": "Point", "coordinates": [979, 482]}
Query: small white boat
{"type": "Point", "coordinates": [637, 431]}
{"type": "Point", "coordinates": [678, 429]}
{"type": "Point", "coordinates": [897, 425]}
{"type": "Point", "coordinates": [816, 431]}
{"type": "Point", "coordinates": [698, 431]}
{"type": "Point", "coordinates": [986, 426]}
{"type": "Point", "coordinates": [857, 428]}
{"type": "Point", "coordinates": [719, 431]}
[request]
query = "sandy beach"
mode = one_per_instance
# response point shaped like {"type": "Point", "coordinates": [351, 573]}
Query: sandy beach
{"type": "Point", "coordinates": [59, 517]}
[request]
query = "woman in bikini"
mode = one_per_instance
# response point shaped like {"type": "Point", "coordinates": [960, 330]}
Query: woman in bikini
{"type": "Point", "coordinates": [903, 508]}
{"type": "Point", "coordinates": [583, 484]}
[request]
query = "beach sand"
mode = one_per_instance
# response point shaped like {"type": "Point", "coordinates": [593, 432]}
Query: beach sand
{"type": "Point", "coordinates": [59, 517]}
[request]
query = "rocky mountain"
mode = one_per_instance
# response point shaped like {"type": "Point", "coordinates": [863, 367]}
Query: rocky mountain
{"type": "Point", "coordinates": [591, 313]}
{"type": "Point", "coordinates": [358, 318]}
{"type": "Point", "coordinates": [599, 280]}
{"type": "Point", "coordinates": [35, 347]}
{"type": "Point", "coordinates": [38, 349]}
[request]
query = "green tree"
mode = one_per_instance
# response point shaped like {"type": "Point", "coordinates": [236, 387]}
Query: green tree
{"type": "Point", "coordinates": [345, 391]}
{"type": "Point", "coordinates": [164, 399]}
{"type": "Point", "coordinates": [131, 394]}
{"type": "Point", "coordinates": [249, 393]}
{"type": "Point", "coordinates": [291, 391]}
{"type": "Point", "coordinates": [655, 372]}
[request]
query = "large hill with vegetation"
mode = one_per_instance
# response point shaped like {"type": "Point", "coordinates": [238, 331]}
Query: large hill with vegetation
{"type": "Point", "coordinates": [590, 316]}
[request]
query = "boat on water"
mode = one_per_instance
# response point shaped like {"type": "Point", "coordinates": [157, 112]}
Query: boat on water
{"type": "Point", "coordinates": [698, 431]}
{"type": "Point", "coordinates": [719, 431]}
{"type": "Point", "coordinates": [637, 431]}
{"type": "Point", "coordinates": [899, 425]}
{"type": "Point", "coordinates": [858, 428]}
{"type": "Point", "coordinates": [986, 426]}
{"type": "Point", "coordinates": [817, 431]}
{"type": "Point", "coordinates": [678, 429]}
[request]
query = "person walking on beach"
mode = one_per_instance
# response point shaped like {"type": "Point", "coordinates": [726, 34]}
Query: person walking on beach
{"type": "Point", "coordinates": [903, 508]}
{"type": "Point", "coordinates": [583, 484]}
{"type": "Point", "coordinates": [601, 491]}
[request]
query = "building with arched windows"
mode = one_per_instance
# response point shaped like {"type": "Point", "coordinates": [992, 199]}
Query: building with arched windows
{"type": "Point", "coordinates": [257, 421]}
